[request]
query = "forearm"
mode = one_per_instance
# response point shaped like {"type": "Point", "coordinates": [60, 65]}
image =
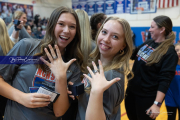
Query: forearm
{"type": "Point", "coordinates": [95, 109]}
{"type": "Point", "coordinates": [10, 92]}
{"type": "Point", "coordinates": [160, 96]}
{"type": "Point", "coordinates": [62, 103]}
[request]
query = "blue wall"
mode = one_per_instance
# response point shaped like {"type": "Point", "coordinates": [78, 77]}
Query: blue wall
{"type": "Point", "coordinates": [138, 31]}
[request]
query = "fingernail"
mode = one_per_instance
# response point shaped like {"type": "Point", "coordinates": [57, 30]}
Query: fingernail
{"type": "Point", "coordinates": [87, 67]}
{"type": "Point", "coordinates": [117, 78]}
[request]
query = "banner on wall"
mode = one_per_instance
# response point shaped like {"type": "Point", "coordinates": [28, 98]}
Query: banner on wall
{"type": "Point", "coordinates": [7, 10]}
{"type": "Point", "coordinates": [104, 6]}
{"type": "Point", "coordinates": [143, 6]}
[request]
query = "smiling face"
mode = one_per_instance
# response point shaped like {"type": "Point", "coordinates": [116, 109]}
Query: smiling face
{"type": "Point", "coordinates": [154, 30]}
{"type": "Point", "coordinates": [23, 18]}
{"type": "Point", "coordinates": [65, 30]}
{"type": "Point", "coordinates": [111, 39]}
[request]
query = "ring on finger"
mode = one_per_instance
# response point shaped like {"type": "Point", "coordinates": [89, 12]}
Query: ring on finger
{"type": "Point", "coordinates": [55, 57]}
{"type": "Point", "coordinates": [96, 71]}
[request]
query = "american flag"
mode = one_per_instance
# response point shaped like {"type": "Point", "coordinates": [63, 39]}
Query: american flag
{"type": "Point", "coordinates": [167, 3]}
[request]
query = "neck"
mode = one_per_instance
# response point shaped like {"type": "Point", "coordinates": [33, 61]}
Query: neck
{"type": "Point", "coordinates": [160, 39]}
{"type": "Point", "coordinates": [105, 60]}
{"type": "Point", "coordinates": [62, 50]}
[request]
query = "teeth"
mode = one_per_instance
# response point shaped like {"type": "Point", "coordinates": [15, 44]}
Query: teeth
{"type": "Point", "coordinates": [104, 47]}
{"type": "Point", "coordinates": [64, 37]}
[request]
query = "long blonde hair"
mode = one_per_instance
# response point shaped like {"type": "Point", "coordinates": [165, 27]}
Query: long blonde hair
{"type": "Point", "coordinates": [5, 42]}
{"type": "Point", "coordinates": [17, 15]}
{"type": "Point", "coordinates": [120, 60]}
{"type": "Point", "coordinates": [156, 55]}
{"type": "Point", "coordinates": [85, 34]}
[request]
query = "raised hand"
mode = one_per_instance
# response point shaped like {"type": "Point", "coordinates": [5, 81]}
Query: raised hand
{"type": "Point", "coordinates": [98, 80]}
{"type": "Point", "coordinates": [35, 100]}
{"type": "Point", "coordinates": [56, 64]}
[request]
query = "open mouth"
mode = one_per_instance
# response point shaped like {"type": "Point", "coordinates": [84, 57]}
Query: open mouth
{"type": "Point", "coordinates": [63, 38]}
{"type": "Point", "coordinates": [104, 47]}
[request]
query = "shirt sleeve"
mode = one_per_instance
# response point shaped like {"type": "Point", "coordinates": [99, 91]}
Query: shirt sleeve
{"type": "Point", "coordinates": [113, 96]}
{"type": "Point", "coordinates": [167, 72]}
{"type": "Point", "coordinates": [22, 48]}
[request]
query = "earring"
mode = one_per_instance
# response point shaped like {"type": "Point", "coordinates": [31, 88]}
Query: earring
{"type": "Point", "coordinates": [121, 52]}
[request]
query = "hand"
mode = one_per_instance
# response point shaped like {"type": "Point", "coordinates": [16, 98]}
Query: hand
{"type": "Point", "coordinates": [20, 25]}
{"type": "Point", "coordinates": [98, 80]}
{"type": "Point", "coordinates": [154, 111]}
{"type": "Point", "coordinates": [35, 100]}
{"type": "Point", "coordinates": [69, 92]}
{"type": "Point", "coordinates": [57, 65]}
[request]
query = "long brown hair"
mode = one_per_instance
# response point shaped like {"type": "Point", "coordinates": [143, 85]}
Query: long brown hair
{"type": "Point", "coordinates": [73, 48]}
{"type": "Point", "coordinates": [156, 55]}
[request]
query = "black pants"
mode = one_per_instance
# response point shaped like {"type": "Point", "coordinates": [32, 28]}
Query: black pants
{"type": "Point", "coordinates": [136, 106]}
{"type": "Point", "coordinates": [172, 112]}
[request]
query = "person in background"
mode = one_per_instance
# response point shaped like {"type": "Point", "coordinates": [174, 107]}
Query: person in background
{"type": "Point", "coordinates": [105, 88]}
{"type": "Point", "coordinates": [96, 21]}
{"type": "Point", "coordinates": [87, 44]}
{"type": "Point", "coordinates": [28, 29]}
{"type": "Point", "coordinates": [172, 98]}
{"type": "Point", "coordinates": [154, 68]}
{"type": "Point", "coordinates": [60, 51]}
{"type": "Point", "coordinates": [18, 32]}
{"type": "Point", "coordinates": [147, 35]}
{"type": "Point", "coordinates": [5, 46]}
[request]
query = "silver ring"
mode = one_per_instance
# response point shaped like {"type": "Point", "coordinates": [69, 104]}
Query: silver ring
{"type": "Point", "coordinates": [95, 71]}
{"type": "Point", "coordinates": [54, 58]}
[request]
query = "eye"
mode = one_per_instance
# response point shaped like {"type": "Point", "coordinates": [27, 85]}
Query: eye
{"type": "Point", "coordinates": [104, 32]}
{"type": "Point", "coordinates": [72, 27]}
{"type": "Point", "coordinates": [61, 24]}
{"type": "Point", "coordinates": [115, 36]}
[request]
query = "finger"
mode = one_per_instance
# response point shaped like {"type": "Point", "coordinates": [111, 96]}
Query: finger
{"type": "Point", "coordinates": [70, 62]}
{"type": "Point", "coordinates": [46, 62]}
{"type": "Point", "coordinates": [58, 52]}
{"type": "Point", "coordinates": [94, 66]}
{"type": "Point", "coordinates": [72, 96]}
{"type": "Point", "coordinates": [48, 55]}
{"type": "Point", "coordinates": [40, 104]}
{"type": "Point", "coordinates": [148, 111]}
{"type": "Point", "coordinates": [113, 81]}
{"type": "Point", "coordinates": [70, 83]}
{"type": "Point", "coordinates": [40, 100]}
{"type": "Point", "coordinates": [69, 92]}
{"type": "Point", "coordinates": [90, 71]}
{"type": "Point", "coordinates": [40, 95]}
{"type": "Point", "coordinates": [100, 67]}
{"type": "Point", "coordinates": [151, 116]}
{"type": "Point", "coordinates": [89, 78]}
{"type": "Point", "coordinates": [52, 51]}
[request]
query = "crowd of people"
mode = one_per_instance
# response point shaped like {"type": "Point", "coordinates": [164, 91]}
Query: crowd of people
{"type": "Point", "coordinates": [74, 50]}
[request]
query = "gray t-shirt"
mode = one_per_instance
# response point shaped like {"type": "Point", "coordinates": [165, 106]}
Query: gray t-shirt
{"type": "Point", "coordinates": [22, 33]}
{"type": "Point", "coordinates": [25, 76]}
{"type": "Point", "coordinates": [112, 97]}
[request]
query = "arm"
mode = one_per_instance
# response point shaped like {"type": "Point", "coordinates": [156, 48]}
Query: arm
{"type": "Point", "coordinates": [99, 84]}
{"type": "Point", "coordinates": [165, 76]}
{"type": "Point", "coordinates": [59, 69]}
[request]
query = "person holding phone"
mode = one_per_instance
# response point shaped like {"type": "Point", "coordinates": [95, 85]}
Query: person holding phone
{"type": "Point", "coordinates": [60, 51]}
{"type": "Point", "coordinates": [16, 28]}
{"type": "Point", "coordinates": [154, 68]}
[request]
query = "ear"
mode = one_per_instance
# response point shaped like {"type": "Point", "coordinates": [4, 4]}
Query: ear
{"type": "Point", "coordinates": [99, 25]}
{"type": "Point", "coordinates": [163, 30]}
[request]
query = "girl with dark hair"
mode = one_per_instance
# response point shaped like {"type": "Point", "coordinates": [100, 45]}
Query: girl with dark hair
{"type": "Point", "coordinates": [96, 21]}
{"type": "Point", "coordinates": [154, 68]}
{"type": "Point", "coordinates": [58, 50]}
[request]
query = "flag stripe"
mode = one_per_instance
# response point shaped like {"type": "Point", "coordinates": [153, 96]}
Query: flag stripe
{"type": "Point", "coordinates": [167, 3]}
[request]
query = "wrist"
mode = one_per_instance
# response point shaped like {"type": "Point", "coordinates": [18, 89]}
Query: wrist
{"type": "Point", "coordinates": [157, 103]}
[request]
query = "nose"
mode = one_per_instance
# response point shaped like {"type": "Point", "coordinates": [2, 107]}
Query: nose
{"type": "Point", "coordinates": [66, 29]}
{"type": "Point", "coordinates": [106, 38]}
{"type": "Point", "coordinates": [149, 30]}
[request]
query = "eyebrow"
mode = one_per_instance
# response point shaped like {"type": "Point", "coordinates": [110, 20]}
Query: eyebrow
{"type": "Point", "coordinates": [113, 32]}
{"type": "Point", "coordinates": [63, 22]}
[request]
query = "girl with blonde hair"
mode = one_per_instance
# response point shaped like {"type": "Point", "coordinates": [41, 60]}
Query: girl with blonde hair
{"type": "Point", "coordinates": [105, 90]}
{"type": "Point", "coordinates": [18, 32]}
